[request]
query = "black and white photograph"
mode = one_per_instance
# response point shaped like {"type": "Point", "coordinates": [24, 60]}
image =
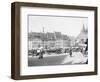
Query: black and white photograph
{"type": "Point", "coordinates": [57, 40]}
{"type": "Point", "coordinates": [53, 40]}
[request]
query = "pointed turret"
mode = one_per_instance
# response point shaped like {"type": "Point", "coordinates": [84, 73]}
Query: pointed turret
{"type": "Point", "coordinates": [83, 34]}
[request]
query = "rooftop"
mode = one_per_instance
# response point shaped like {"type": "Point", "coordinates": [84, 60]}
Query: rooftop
{"type": "Point", "coordinates": [47, 36]}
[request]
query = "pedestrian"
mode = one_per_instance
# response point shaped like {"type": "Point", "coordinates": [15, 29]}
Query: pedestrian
{"type": "Point", "coordinates": [70, 52]}
{"type": "Point", "coordinates": [86, 49]}
{"type": "Point", "coordinates": [86, 44]}
{"type": "Point", "coordinates": [37, 52]}
{"type": "Point", "coordinates": [41, 53]}
{"type": "Point", "coordinates": [87, 62]}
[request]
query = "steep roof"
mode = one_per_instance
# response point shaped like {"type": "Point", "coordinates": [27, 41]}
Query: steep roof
{"type": "Point", "coordinates": [83, 34]}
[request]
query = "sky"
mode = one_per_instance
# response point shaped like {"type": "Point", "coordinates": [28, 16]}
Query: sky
{"type": "Point", "coordinates": [70, 26]}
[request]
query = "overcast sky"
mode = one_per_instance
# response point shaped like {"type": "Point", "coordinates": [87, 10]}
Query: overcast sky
{"type": "Point", "coordinates": [70, 26]}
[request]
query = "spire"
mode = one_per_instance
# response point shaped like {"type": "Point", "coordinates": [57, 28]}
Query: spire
{"type": "Point", "coordinates": [43, 29]}
{"type": "Point", "coordinates": [86, 29]}
{"type": "Point", "coordinates": [83, 33]}
{"type": "Point", "coordinates": [83, 29]}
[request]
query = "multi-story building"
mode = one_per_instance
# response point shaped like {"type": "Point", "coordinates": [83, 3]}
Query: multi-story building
{"type": "Point", "coordinates": [34, 44]}
{"type": "Point", "coordinates": [48, 40]}
{"type": "Point", "coordinates": [66, 41]}
{"type": "Point", "coordinates": [59, 43]}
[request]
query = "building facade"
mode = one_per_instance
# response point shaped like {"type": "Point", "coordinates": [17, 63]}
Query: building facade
{"type": "Point", "coordinates": [48, 40]}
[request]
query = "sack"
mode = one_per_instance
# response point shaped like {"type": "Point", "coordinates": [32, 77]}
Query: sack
{"type": "Point", "coordinates": [38, 51]}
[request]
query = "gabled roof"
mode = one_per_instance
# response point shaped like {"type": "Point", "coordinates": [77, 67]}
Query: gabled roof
{"type": "Point", "coordinates": [83, 34]}
{"type": "Point", "coordinates": [47, 36]}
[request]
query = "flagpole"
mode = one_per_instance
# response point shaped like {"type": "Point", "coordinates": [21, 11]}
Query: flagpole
{"type": "Point", "coordinates": [43, 37]}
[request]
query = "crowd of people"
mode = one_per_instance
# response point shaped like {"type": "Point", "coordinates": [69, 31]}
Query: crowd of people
{"type": "Point", "coordinates": [41, 51]}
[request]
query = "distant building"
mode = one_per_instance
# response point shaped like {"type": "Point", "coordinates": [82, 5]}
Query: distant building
{"type": "Point", "coordinates": [30, 45]}
{"type": "Point", "coordinates": [34, 44]}
{"type": "Point", "coordinates": [66, 41]}
{"type": "Point", "coordinates": [82, 37]}
{"type": "Point", "coordinates": [59, 43]}
{"type": "Point", "coordinates": [48, 40]}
